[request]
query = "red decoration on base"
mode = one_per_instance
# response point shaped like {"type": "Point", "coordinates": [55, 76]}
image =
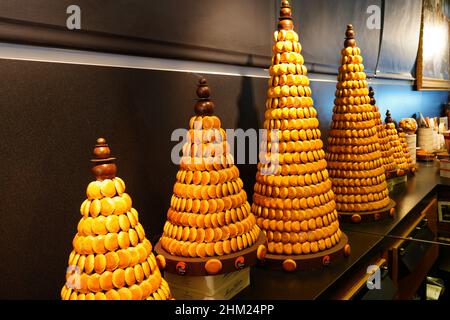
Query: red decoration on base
{"type": "Point", "coordinates": [310, 261]}
{"type": "Point", "coordinates": [365, 217]}
{"type": "Point", "coordinates": [196, 266]}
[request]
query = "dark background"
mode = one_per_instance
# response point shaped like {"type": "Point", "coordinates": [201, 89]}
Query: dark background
{"type": "Point", "coordinates": [51, 114]}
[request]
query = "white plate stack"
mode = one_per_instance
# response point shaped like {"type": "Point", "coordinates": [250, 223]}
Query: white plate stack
{"type": "Point", "coordinates": [411, 140]}
{"type": "Point", "coordinates": [426, 139]}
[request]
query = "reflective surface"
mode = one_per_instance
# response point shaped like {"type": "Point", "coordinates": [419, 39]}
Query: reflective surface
{"type": "Point", "coordinates": [367, 242]}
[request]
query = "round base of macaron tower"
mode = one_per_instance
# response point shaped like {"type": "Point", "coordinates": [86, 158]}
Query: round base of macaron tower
{"type": "Point", "coordinates": [210, 229]}
{"type": "Point", "coordinates": [111, 258]}
{"type": "Point", "coordinates": [311, 261]}
{"type": "Point", "coordinates": [369, 216]}
{"type": "Point", "coordinates": [355, 160]}
{"type": "Point", "coordinates": [293, 199]}
{"type": "Point", "coordinates": [221, 264]}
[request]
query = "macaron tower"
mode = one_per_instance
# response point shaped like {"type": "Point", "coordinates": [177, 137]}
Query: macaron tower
{"type": "Point", "coordinates": [387, 153]}
{"type": "Point", "coordinates": [209, 229]}
{"type": "Point", "coordinates": [293, 199]}
{"type": "Point", "coordinates": [404, 143]}
{"type": "Point", "coordinates": [111, 257]}
{"type": "Point", "coordinates": [354, 154]}
{"type": "Point", "coordinates": [400, 157]}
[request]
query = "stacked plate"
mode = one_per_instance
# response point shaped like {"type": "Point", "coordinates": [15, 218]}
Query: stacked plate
{"type": "Point", "coordinates": [426, 139]}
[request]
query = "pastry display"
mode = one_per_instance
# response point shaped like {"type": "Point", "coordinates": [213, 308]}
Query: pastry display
{"type": "Point", "coordinates": [409, 125]}
{"type": "Point", "coordinates": [387, 153]}
{"type": "Point", "coordinates": [210, 228]}
{"type": "Point", "coordinates": [293, 200]}
{"type": "Point", "coordinates": [401, 154]}
{"type": "Point", "coordinates": [355, 159]}
{"type": "Point", "coordinates": [111, 258]}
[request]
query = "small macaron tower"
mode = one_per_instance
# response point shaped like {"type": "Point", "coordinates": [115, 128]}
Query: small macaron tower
{"type": "Point", "coordinates": [111, 257]}
{"type": "Point", "coordinates": [397, 139]}
{"type": "Point", "coordinates": [209, 229]}
{"type": "Point", "coordinates": [387, 152]}
{"type": "Point", "coordinates": [293, 199]}
{"type": "Point", "coordinates": [354, 154]}
{"type": "Point", "coordinates": [402, 136]}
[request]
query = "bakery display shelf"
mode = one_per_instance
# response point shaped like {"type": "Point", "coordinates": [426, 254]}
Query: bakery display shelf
{"type": "Point", "coordinates": [198, 266]}
{"type": "Point", "coordinates": [371, 216]}
{"type": "Point", "coordinates": [365, 240]}
{"type": "Point", "coordinates": [313, 261]}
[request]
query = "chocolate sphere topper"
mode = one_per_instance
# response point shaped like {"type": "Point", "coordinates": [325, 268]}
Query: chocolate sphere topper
{"type": "Point", "coordinates": [285, 20]}
{"type": "Point", "coordinates": [389, 118]}
{"type": "Point", "coordinates": [372, 95]}
{"type": "Point", "coordinates": [204, 105]}
{"type": "Point", "coordinates": [350, 37]}
{"type": "Point", "coordinates": [103, 164]}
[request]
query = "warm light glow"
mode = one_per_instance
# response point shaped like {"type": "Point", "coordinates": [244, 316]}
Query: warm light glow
{"type": "Point", "coordinates": [435, 39]}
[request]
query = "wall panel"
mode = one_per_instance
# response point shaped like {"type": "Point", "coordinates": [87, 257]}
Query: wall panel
{"type": "Point", "coordinates": [225, 31]}
{"type": "Point", "coordinates": [400, 37]}
{"type": "Point", "coordinates": [321, 25]}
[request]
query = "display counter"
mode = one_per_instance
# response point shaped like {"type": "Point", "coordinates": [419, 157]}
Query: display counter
{"type": "Point", "coordinates": [371, 244]}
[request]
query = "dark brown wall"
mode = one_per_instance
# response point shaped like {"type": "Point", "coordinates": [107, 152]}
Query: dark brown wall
{"type": "Point", "coordinates": [50, 115]}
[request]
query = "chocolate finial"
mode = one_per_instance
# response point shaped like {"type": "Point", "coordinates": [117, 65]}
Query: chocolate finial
{"type": "Point", "coordinates": [389, 118]}
{"type": "Point", "coordinates": [204, 105]}
{"type": "Point", "coordinates": [350, 37]}
{"type": "Point", "coordinates": [285, 20]}
{"type": "Point", "coordinates": [103, 164]}
{"type": "Point", "coordinates": [372, 95]}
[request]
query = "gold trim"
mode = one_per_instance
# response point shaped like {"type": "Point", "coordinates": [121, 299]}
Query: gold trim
{"type": "Point", "coordinates": [434, 84]}
{"type": "Point", "coordinates": [419, 65]}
